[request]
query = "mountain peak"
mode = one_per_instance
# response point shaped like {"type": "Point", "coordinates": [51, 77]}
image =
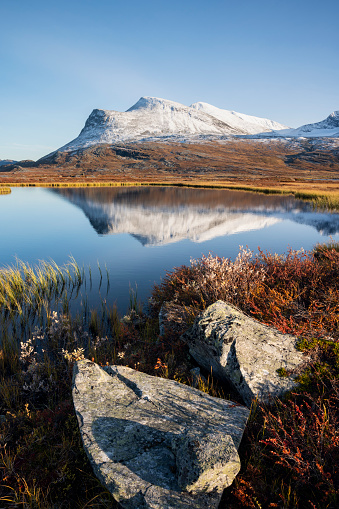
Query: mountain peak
{"type": "Point", "coordinates": [156, 119]}
{"type": "Point", "coordinates": [151, 103]}
{"type": "Point", "coordinates": [334, 115]}
{"type": "Point", "coordinates": [328, 127]}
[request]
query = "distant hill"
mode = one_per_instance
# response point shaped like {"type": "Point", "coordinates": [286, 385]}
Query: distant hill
{"type": "Point", "coordinates": [326, 128]}
{"type": "Point", "coordinates": [157, 139]}
{"type": "Point", "coordinates": [4, 162]}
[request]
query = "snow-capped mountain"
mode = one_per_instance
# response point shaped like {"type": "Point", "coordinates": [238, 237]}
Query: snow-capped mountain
{"type": "Point", "coordinates": [245, 124]}
{"type": "Point", "coordinates": [326, 128]}
{"type": "Point", "coordinates": [153, 118]}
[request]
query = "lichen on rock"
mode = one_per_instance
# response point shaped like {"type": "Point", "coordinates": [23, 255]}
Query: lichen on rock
{"type": "Point", "coordinates": [156, 443]}
{"type": "Point", "coordinates": [242, 351]}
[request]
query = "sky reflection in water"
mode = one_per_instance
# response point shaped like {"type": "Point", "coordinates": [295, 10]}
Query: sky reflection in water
{"type": "Point", "coordinates": [139, 233]}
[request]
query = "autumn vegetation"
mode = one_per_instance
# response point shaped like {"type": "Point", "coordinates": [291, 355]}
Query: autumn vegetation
{"type": "Point", "coordinates": [289, 451]}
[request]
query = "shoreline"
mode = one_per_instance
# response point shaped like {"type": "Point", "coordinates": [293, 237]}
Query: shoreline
{"type": "Point", "coordinates": [325, 194]}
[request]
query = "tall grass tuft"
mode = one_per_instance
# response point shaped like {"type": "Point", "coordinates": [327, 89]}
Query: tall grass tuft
{"type": "Point", "coordinates": [41, 458]}
{"type": "Point", "coordinates": [25, 289]}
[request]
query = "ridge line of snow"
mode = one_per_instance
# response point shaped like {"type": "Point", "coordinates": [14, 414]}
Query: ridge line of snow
{"type": "Point", "coordinates": [153, 118]}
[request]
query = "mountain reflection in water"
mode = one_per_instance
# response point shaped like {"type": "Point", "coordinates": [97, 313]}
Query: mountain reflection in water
{"type": "Point", "coordinates": [163, 215]}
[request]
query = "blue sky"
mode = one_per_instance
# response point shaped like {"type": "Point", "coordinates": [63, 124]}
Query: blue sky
{"type": "Point", "coordinates": [61, 59]}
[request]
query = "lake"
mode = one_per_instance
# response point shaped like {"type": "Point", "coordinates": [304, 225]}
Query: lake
{"type": "Point", "coordinates": [139, 233]}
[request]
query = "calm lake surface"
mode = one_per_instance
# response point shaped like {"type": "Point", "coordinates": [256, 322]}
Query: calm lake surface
{"type": "Point", "coordinates": [140, 233]}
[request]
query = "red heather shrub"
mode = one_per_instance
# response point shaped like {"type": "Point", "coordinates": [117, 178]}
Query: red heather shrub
{"type": "Point", "coordinates": [297, 293]}
{"type": "Point", "coordinates": [289, 452]}
{"type": "Point", "coordinates": [300, 293]}
{"type": "Point", "coordinates": [208, 279]}
{"type": "Point", "coordinates": [303, 439]}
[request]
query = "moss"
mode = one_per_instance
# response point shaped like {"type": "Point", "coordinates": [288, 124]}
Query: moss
{"type": "Point", "coordinates": [282, 372]}
{"type": "Point", "coordinates": [304, 344]}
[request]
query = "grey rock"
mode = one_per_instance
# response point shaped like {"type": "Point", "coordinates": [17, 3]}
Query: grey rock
{"type": "Point", "coordinates": [155, 443]}
{"type": "Point", "coordinates": [244, 352]}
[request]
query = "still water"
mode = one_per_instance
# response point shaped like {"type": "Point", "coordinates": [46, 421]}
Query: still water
{"type": "Point", "coordinates": [140, 233]}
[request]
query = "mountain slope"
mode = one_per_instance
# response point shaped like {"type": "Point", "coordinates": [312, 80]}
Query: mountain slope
{"type": "Point", "coordinates": [158, 120]}
{"type": "Point", "coordinates": [150, 117]}
{"type": "Point", "coordinates": [153, 118]}
{"type": "Point", "coordinates": [245, 124]}
{"type": "Point", "coordinates": [326, 128]}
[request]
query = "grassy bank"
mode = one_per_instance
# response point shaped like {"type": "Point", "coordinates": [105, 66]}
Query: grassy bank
{"type": "Point", "coordinates": [290, 450]}
{"type": "Point", "coordinates": [321, 195]}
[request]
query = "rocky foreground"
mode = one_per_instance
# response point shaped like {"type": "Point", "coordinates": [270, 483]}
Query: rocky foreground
{"type": "Point", "coordinates": [155, 443]}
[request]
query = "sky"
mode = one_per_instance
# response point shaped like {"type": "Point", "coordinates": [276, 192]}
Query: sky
{"type": "Point", "coordinates": [61, 59]}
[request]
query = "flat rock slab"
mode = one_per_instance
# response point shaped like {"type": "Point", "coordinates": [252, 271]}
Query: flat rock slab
{"type": "Point", "coordinates": [156, 443]}
{"type": "Point", "coordinates": [244, 352]}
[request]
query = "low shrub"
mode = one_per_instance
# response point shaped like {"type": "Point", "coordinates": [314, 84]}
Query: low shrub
{"type": "Point", "coordinates": [290, 451]}
{"type": "Point", "coordinates": [296, 293]}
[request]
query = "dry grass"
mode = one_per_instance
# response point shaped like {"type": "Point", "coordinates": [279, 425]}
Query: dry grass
{"type": "Point", "coordinates": [321, 195]}
{"type": "Point", "coordinates": [244, 164]}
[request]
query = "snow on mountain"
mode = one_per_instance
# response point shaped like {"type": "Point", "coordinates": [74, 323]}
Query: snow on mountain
{"type": "Point", "coordinates": [326, 128]}
{"type": "Point", "coordinates": [245, 124]}
{"type": "Point", "coordinates": [149, 118]}
{"type": "Point", "coordinates": [153, 118]}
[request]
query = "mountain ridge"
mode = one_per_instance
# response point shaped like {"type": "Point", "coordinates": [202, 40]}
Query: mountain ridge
{"type": "Point", "coordinates": [328, 127]}
{"type": "Point", "coordinates": [154, 119]}
{"type": "Point", "coordinates": [254, 125]}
